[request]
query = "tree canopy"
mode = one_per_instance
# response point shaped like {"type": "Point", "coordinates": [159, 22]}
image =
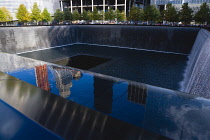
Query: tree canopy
{"type": "Point", "coordinates": [76, 15]}
{"type": "Point", "coordinates": [120, 16]}
{"type": "Point", "coordinates": [45, 15]}
{"type": "Point", "coordinates": [95, 15]}
{"type": "Point", "coordinates": [170, 14]}
{"type": "Point", "coordinates": [5, 15]}
{"type": "Point", "coordinates": [110, 15]}
{"type": "Point", "coordinates": [36, 13]}
{"type": "Point", "coordinates": [22, 14]}
{"type": "Point", "coordinates": [151, 13]}
{"type": "Point", "coordinates": [86, 15]}
{"type": "Point", "coordinates": [67, 15]}
{"type": "Point", "coordinates": [58, 16]}
{"type": "Point", "coordinates": [136, 14]}
{"type": "Point", "coordinates": [203, 15]}
{"type": "Point", "coordinates": [186, 14]}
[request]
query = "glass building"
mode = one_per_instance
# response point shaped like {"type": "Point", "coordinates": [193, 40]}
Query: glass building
{"type": "Point", "coordinates": [179, 1]}
{"type": "Point", "coordinates": [194, 4]}
{"type": "Point", "coordinates": [102, 5]}
{"type": "Point", "coordinates": [12, 5]}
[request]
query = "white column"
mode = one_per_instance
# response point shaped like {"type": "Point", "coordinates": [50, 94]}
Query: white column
{"type": "Point", "coordinates": [81, 7]}
{"type": "Point", "coordinates": [125, 7]}
{"type": "Point", "coordinates": [92, 5]}
{"type": "Point", "coordinates": [104, 6]}
{"type": "Point", "coordinates": [115, 4]}
{"type": "Point", "coordinates": [71, 6]}
{"type": "Point", "coordinates": [61, 6]}
{"type": "Point", "coordinates": [104, 10]}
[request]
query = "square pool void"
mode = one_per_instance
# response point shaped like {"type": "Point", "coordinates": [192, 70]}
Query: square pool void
{"type": "Point", "coordinates": [84, 62]}
{"type": "Point", "coordinates": [149, 67]}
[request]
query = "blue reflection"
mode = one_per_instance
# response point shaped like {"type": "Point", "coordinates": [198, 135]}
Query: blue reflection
{"type": "Point", "coordinates": [170, 113]}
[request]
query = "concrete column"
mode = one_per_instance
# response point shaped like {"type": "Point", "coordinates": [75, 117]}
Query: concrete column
{"type": "Point", "coordinates": [61, 6]}
{"type": "Point", "coordinates": [104, 6]}
{"type": "Point", "coordinates": [115, 4]}
{"type": "Point", "coordinates": [71, 6]}
{"type": "Point", "coordinates": [81, 7]}
{"type": "Point", "coordinates": [125, 7]}
{"type": "Point", "coordinates": [92, 5]}
{"type": "Point", "coordinates": [104, 10]}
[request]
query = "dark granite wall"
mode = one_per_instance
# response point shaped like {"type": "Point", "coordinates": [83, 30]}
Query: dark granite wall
{"type": "Point", "coordinates": [20, 39]}
{"type": "Point", "coordinates": [169, 39]}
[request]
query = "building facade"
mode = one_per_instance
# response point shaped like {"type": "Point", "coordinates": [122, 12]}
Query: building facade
{"type": "Point", "coordinates": [102, 5]}
{"type": "Point", "coordinates": [194, 4]}
{"type": "Point", "coordinates": [12, 5]}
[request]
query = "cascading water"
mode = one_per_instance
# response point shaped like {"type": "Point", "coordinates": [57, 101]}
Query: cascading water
{"type": "Point", "coordinates": [197, 76]}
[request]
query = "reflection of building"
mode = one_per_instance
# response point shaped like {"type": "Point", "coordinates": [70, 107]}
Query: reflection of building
{"type": "Point", "coordinates": [103, 94]}
{"type": "Point", "coordinates": [137, 93]}
{"type": "Point", "coordinates": [64, 79]}
{"type": "Point", "coordinates": [42, 77]}
{"type": "Point", "coordinates": [12, 5]}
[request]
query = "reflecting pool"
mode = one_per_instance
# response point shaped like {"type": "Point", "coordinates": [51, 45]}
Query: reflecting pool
{"type": "Point", "coordinates": [154, 68]}
{"type": "Point", "coordinates": [169, 113]}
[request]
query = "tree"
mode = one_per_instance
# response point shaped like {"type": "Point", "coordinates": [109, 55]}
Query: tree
{"type": "Point", "coordinates": [170, 13]}
{"type": "Point", "coordinates": [58, 16]}
{"type": "Point", "coordinates": [185, 14]}
{"type": "Point", "coordinates": [36, 13]}
{"type": "Point", "coordinates": [22, 14]}
{"type": "Point", "coordinates": [46, 15]}
{"type": "Point", "coordinates": [76, 15]}
{"type": "Point", "coordinates": [136, 14]}
{"type": "Point", "coordinates": [5, 15]}
{"type": "Point", "coordinates": [151, 13]}
{"type": "Point", "coordinates": [67, 15]}
{"type": "Point", "coordinates": [120, 16]}
{"type": "Point", "coordinates": [86, 15]}
{"type": "Point", "coordinates": [95, 15]}
{"type": "Point", "coordinates": [2, 16]}
{"type": "Point", "coordinates": [203, 15]}
{"type": "Point", "coordinates": [110, 15]}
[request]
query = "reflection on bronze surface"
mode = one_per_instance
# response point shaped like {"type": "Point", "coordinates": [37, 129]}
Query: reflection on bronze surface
{"type": "Point", "coordinates": [103, 94]}
{"type": "Point", "coordinates": [42, 77]}
{"type": "Point", "coordinates": [64, 77]}
{"type": "Point", "coordinates": [137, 93]}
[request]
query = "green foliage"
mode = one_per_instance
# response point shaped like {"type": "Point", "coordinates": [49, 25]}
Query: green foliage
{"type": "Point", "coordinates": [162, 15]}
{"type": "Point", "coordinates": [136, 14]}
{"type": "Point", "coordinates": [5, 15]}
{"type": "Point", "coordinates": [203, 15]}
{"type": "Point", "coordinates": [151, 13]}
{"type": "Point", "coordinates": [120, 16]}
{"type": "Point", "coordinates": [110, 15]}
{"type": "Point", "coordinates": [170, 13]}
{"type": "Point", "coordinates": [67, 15]}
{"type": "Point", "coordinates": [2, 16]}
{"type": "Point", "coordinates": [95, 15]}
{"type": "Point", "coordinates": [76, 15]}
{"type": "Point", "coordinates": [23, 15]}
{"type": "Point", "coordinates": [58, 16]}
{"type": "Point", "coordinates": [186, 14]}
{"type": "Point", "coordinates": [86, 15]}
{"type": "Point", "coordinates": [36, 13]}
{"type": "Point", "coordinates": [46, 15]}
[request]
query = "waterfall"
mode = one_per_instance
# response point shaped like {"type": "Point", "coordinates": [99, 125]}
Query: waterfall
{"type": "Point", "coordinates": [165, 39]}
{"type": "Point", "coordinates": [197, 76]}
